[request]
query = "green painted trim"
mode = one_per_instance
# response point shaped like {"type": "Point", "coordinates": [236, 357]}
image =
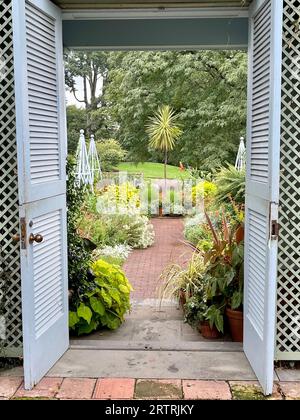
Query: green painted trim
{"type": "Point", "coordinates": [202, 33]}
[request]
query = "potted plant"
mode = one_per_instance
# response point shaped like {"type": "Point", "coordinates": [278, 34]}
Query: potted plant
{"type": "Point", "coordinates": [199, 315]}
{"type": "Point", "coordinates": [180, 282]}
{"type": "Point", "coordinates": [225, 282]}
{"type": "Point", "coordinates": [234, 309]}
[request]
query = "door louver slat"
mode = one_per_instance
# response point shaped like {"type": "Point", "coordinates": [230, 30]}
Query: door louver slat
{"type": "Point", "coordinates": [43, 93]}
{"type": "Point", "coordinates": [260, 95]}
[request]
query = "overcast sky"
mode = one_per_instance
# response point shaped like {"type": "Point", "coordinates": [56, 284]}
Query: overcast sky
{"type": "Point", "coordinates": [79, 87]}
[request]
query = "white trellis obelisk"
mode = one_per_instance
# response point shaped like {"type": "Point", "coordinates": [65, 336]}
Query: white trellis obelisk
{"type": "Point", "coordinates": [83, 170]}
{"type": "Point", "coordinates": [94, 160]}
{"type": "Point", "coordinates": [240, 163]}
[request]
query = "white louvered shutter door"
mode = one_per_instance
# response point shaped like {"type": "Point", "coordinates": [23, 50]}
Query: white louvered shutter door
{"type": "Point", "coordinates": [41, 138]}
{"type": "Point", "coordinates": [262, 191]}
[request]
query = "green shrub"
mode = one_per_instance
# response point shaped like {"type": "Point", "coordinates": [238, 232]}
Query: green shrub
{"type": "Point", "coordinates": [104, 302]}
{"type": "Point", "coordinates": [77, 119]}
{"type": "Point", "coordinates": [231, 185]}
{"type": "Point", "coordinates": [111, 154]}
{"type": "Point", "coordinates": [79, 257]}
{"type": "Point", "coordinates": [133, 230]}
{"type": "Point", "coordinates": [195, 310]}
{"type": "Point", "coordinates": [199, 236]}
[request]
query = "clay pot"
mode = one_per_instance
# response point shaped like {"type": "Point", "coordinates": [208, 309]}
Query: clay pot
{"type": "Point", "coordinates": [236, 324]}
{"type": "Point", "coordinates": [182, 298]}
{"type": "Point", "coordinates": [207, 332]}
{"type": "Point", "coordinates": [240, 234]}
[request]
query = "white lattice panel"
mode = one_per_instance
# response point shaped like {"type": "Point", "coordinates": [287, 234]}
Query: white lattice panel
{"type": "Point", "coordinates": [9, 222]}
{"type": "Point", "coordinates": [288, 323]}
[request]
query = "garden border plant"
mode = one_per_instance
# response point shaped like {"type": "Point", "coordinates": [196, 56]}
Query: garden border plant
{"type": "Point", "coordinates": [99, 291]}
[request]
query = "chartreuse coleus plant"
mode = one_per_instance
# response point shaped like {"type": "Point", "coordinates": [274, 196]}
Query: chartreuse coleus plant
{"type": "Point", "coordinates": [105, 301]}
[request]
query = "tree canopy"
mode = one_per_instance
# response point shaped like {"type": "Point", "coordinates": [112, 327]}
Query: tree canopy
{"type": "Point", "coordinates": [206, 89]}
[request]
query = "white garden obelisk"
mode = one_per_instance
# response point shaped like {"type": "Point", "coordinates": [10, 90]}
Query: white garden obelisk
{"type": "Point", "coordinates": [240, 163]}
{"type": "Point", "coordinates": [94, 161]}
{"type": "Point", "coordinates": [83, 170]}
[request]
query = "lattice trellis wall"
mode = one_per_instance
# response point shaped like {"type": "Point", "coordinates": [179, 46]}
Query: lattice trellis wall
{"type": "Point", "coordinates": [11, 320]}
{"type": "Point", "coordinates": [288, 323]}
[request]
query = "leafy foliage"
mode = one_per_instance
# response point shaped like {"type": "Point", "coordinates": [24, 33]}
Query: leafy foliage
{"type": "Point", "coordinates": [188, 279]}
{"type": "Point", "coordinates": [231, 185]}
{"type": "Point", "coordinates": [224, 273]}
{"type": "Point", "coordinates": [111, 154]}
{"type": "Point", "coordinates": [199, 235]}
{"type": "Point", "coordinates": [117, 254]}
{"type": "Point", "coordinates": [91, 67]}
{"type": "Point", "coordinates": [77, 120]}
{"type": "Point", "coordinates": [195, 310]}
{"type": "Point", "coordinates": [163, 131]}
{"type": "Point", "coordinates": [207, 90]}
{"type": "Point", "coordinates": [104, 302]}
{"type": "Point", "coordinates": [79, 256]}
{"type": "Point", "coordinates": [114, 229]}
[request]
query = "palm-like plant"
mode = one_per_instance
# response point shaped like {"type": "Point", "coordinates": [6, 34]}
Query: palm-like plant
{"type": "Point", "coordinates": [163, 131]}
{"type": "Point", "coordinates": [231, 185]}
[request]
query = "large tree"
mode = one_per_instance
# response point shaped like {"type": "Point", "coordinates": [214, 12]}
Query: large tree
{"type": "Point", "coordinates": [91, 67]}
{"type": "Point", "coordinates": [207, 90]}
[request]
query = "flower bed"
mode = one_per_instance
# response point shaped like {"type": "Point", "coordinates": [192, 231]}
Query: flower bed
{"type": "Point", "coordinates": [210, 287]}
{"type": "Point", "coordinates": [99, 244]}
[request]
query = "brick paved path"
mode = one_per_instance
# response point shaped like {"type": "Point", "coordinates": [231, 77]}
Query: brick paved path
{"type": "Point", "coordinates": [144, 267]}
{"type": "Point", "coordinates": [140, 389]}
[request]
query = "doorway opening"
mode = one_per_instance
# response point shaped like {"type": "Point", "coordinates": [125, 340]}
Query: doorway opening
{"type": "Point", "coordinates": [207, 92]}
{"type": "Point", "coordinates": [38, 134]}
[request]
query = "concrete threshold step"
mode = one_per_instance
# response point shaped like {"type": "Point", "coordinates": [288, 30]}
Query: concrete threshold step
{"type": "Point", "coordinates": [198, 346]}
{"type": "Point", "coordinates": [205, 365]}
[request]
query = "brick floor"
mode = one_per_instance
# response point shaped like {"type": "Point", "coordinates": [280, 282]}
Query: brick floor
{"type": "Point", "coordinates": [9, 386]}
{"type": "Point", "coordinates": [77, 389]}
{"type": "Point", "coordinates": [206, 390]}
{"type": "Point", "coordinates": [114, 389]}
{"type": "Point", "coordinates": [47, 388]}
{"type": "Point", "coordinates": [144, 389]}
{"type": "Point", "coordinates": [144, 267]}
{"type": "Point", "coordinates": [290, 390]}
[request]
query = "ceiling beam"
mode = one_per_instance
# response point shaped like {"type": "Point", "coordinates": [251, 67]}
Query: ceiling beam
{"type": "Point", "coordinates": [115, 14]}
{"type": "Point", "coordinates": [129, 4]}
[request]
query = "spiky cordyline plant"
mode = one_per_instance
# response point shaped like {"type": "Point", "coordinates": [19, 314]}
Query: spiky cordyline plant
{"type": "Point", "coordinates": [163, 131]}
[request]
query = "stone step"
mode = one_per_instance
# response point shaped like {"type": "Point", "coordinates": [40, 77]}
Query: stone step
{"type": "Point", "coordinates": [204, 365]}
{"type": "Point", "coordinates": [213, 346]}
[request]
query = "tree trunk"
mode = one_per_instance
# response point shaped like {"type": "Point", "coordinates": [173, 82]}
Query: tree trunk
{"type": "Point", "coordinates": [93, 85]}
{"type": "Point", "coordinates": [86, 100]}
{"type": "Point", "coordinates": [166, 162]}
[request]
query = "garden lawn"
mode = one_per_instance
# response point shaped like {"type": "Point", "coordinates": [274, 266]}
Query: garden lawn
{"type": "Point", "coordinates": [153, 170]}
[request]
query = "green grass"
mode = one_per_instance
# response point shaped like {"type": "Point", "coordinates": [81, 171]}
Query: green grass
{"type": "Point", "coordinates": [153, 170]}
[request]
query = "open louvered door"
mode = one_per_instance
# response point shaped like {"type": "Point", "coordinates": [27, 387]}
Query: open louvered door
{"type": "Point", "coordinates": [41, 140]}
{"type": "Point", "coordinates": [263, 155]}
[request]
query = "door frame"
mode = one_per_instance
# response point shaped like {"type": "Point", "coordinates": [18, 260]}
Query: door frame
{"type": "Point", "coordinates": [219, 12]}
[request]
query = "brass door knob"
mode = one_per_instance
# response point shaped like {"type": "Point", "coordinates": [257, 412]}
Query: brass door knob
{"type": "Point", "coordinates": [38, 238]}
{"type": "Point", "coordinates": [16, 238]}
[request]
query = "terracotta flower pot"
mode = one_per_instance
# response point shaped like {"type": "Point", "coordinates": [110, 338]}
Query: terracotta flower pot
{"type": "Point", "coordinates": [236, 324]}
{"type": "Point", "coordinates": [240, 234]}
{"type": "Point", "coordinates": [207, 332]}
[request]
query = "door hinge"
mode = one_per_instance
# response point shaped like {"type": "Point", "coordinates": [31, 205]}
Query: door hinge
{"type": "Point", "coordinates": [275, 227]}
{"type": "Point", "coordinates": [23, 232]}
